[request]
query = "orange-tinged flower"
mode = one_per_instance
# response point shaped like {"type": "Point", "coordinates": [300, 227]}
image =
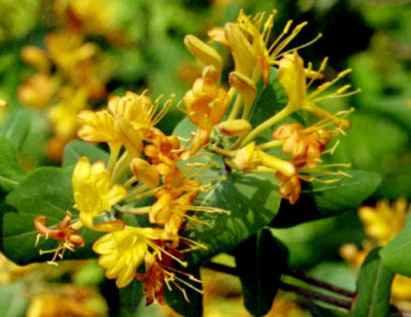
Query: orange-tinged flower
{"type": "Point", "coordinates": [305, 145]}
{"type": "Point", "coordinates": [207, 101]}
{"type": "Point", "coordinates": [95, 194]}
{"type": "Point", "coordinates": [290, 186]}
{"type": "Point", "coordinates": [123, 251]}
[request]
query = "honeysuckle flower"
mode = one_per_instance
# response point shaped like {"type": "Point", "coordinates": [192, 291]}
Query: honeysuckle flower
{"type": "Point", "coordinates": [66, 234]}
{"type": "Point", "coordinates": [289, 186]}
{"type": "Point", "coordinates": [293, 77]}
{"type": "Point", "coordinates": [385, 221]}
{"type": "Point", "coordinates": [207, 101]}
{"type": "Point", "coordinates": [248, 39]}
{"type": "Point", "coordinates": [123, 251]}
{"type": "Point", "coordinates": [63, 116]}
{"type": "Point", "coordinates": [126, 122]}
{"type": "Point", "coordinates": [305, 145]}
{"type": "Point", "coordinates": [95, 194]}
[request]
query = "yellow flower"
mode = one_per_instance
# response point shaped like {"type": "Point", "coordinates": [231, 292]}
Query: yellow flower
{"type": "Point", "coordinates": [248, 39]}
{"type": "Point", "coordinates": [293, 77]}
{"type": "Point", "coordinates": [384, 222]}
{"type": "Point", "coordinates": [63, 116]}
{"type": "Point", "coordinates": [123, 251]}
{"type": "Point", "coordinates": [127, 120]}
{"type": "Point", "coordinates": [95, 194]}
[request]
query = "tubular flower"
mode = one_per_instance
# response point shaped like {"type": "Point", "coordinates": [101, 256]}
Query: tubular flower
{"type": "Point", "coordinates": [65, 233]}
{"type": "Point", "coordinates": [248, 39]}
{"type": "Point", "coordinates": [63, 116]}
{"type": "Point", "coordinates": [127, 121]}
{"type": "Point", "coordinates": [123, 251]}
{"type": "Point", "coordinates": [94, 194]}
{"type": "Point", "coordinates": [293, 77]}
{"type": "Point", "coordinates": [205, 104]}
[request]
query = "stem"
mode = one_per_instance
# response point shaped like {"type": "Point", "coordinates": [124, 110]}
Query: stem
{"type": "Point", "coordinates": [236, 108]}
{"type": "Point", "coordinates": [267, 124]}
{"type": "Point", "coordinates": [321, 284]}
{"type": "Point", "coordinates": [309, 294]}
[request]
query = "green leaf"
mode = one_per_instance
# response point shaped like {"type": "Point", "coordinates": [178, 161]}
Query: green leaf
{"type": "Point", "coordinates": [373, 288]}
{"type": "Point", "coordinates": [270, 99]}
{"type": "Point", "coordinates": [260, 262]}
{"type": "Point", "coordinates": [178, 302]}
{"type": "Point", "coordinates": [17, 128]}
{"type": "Point", "coordinates": [46, 191]}
{"type": "Point", "coordinates": [184, 129]}
{"type": "Point", "coordinates": [252, 201]}
{"type": "Point", "coordinates": [10, 171]}
{"type": "Point", "coordinates": [130, 297]}
{"type": "Point", "coordinates": [396, 255]}
{"type": "Point", "coordinates": [320, 200]}
{"type": "Point", "coordinates": [13, 300]}
{"type": "Point", "coordinates": [76, 149]}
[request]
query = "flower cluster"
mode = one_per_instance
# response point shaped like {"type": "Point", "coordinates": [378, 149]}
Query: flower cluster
{"type": "Point", "coordinates": [223, 114]}
{"type": "Point", "coordinates": [381, 224]}
{"type": "Point", "coordinates": [146, 174]}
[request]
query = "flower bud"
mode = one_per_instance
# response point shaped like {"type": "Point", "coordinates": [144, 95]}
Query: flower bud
{"type": "Point", "coordinates": [245, 158]}
{"type": "Point", "coordinates": [284, 167]}
{"type": "Point", "coordinates": [205, 53]}
{"type": "Point", "coordinates": [35, 57]}
{"type": "Point", "coordinates": [236, 127]}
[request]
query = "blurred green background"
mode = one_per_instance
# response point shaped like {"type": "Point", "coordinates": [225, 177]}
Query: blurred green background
{"type": "Point", "coordinates": [139, 45]}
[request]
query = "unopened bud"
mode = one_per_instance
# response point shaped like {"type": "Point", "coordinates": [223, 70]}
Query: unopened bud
{"type": "Point", "coordinates": [236, 127]}
{"type": "Point", "coordinates": [217, 34]}
{"type": "Point", "coordinates": [205, 53]}
{"type": "Point", "coordinates": [284, 167]}
{"type": "Point", "coordinates": [35, 57]}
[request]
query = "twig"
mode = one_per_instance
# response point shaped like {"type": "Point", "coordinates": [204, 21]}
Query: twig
{"type": "Point", "coordinates": [321, 284]}
{"type": "Point", "coordinates": [310, 294]}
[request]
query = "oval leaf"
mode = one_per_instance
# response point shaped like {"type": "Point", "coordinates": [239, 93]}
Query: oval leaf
{"type": "Point", "coordinates": [373, 288]}
{"type": "Point", "coordinates": [260, 262]}
{"type": "Point", "coordinates": [320, 200]}
{"type": "Point", "coordinates": [251, 200]}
